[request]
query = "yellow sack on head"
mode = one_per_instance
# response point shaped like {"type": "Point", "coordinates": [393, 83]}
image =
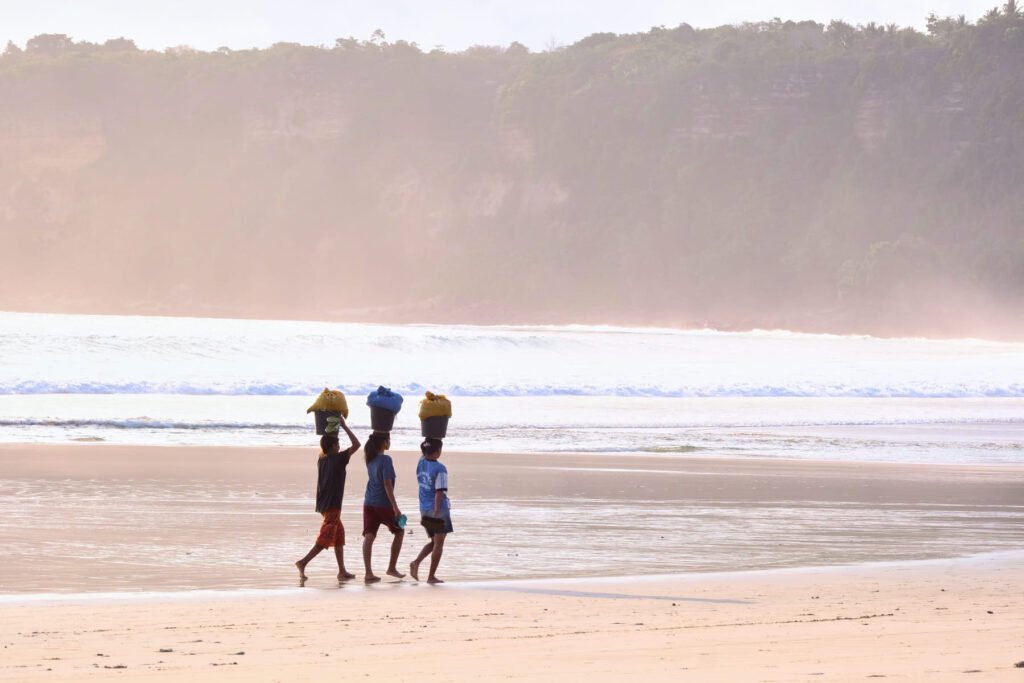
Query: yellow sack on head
{"type": "Point", "coordinates": [332, 400]}
{"type": "Point", "coordinates": [435, 405]}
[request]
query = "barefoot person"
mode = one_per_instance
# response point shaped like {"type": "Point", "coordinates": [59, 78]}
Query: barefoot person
{"type": "Point", "coordinates": [379, 505]}
{"type": "Point", "coordinates": [434, 508]}
{"type": "Point", "coordinates": [330, 488]}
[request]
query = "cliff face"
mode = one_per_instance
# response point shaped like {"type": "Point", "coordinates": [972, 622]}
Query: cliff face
{"type": "Point", "coordinates": [773, 175]}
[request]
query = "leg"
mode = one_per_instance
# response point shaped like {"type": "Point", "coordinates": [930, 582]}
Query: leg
{"type": "Point", "coordinates": [339, 553]}
{"type": "Point", "coordinates": [396, 547]}
{"type": "Point", "coordinates": [435, 558]}
{"type": "Point", "coordinates": [414, 566]}
{"type": "Point", "coordinates": [368, 540]}
{"type": "Point", "coordinates": [301, 564]}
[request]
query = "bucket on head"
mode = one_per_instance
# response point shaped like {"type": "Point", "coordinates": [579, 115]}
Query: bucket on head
{"type": "Point", "coordinates": [434, 427]}
{"type": "Point", "coordinates": [381, 420]}
{"type": "Point", "coordinates": [320, 416]}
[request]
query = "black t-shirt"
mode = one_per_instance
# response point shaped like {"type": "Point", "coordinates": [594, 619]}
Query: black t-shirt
{"type": "Point", "coordinates": [330, 481]}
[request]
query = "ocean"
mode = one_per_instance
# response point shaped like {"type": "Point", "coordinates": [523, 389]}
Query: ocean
{"type": "Point", "coordinates": [193, 381]}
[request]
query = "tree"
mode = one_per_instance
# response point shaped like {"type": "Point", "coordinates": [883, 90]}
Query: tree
{"type": "Point", "coordinates": [517, 49]}
{"type": "Point", "coordinates": [841, 33]}
{"type": "Point", "coordinates": [49, 44]}
{"type": "Point", "coordinates": [991, 16]}
{"type": "Point", "coordinates": [121, 44]}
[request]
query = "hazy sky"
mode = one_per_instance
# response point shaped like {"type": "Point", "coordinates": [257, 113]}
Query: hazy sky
{"type": "Point", "coordinates": [454, 24]}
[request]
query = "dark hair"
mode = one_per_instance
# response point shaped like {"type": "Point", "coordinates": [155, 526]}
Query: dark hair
{"type": "Point", "coordinates": [329, 442]}
{"type": "Point", "coordinates": [375, 444]}
{"type": "Point", "coordinates": [430, 446]}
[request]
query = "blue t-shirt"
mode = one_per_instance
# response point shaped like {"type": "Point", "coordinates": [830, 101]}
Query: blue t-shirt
{"type": "Point", "coordinates": [380, 469]}
{"type": "Point", "coordinates": [432, 477]}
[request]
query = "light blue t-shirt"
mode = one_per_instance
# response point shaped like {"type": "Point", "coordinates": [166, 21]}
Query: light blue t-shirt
{"type": "Point", "coordinates": [432, 477]}
{"type": "Point", "coordinates": [380, 469]}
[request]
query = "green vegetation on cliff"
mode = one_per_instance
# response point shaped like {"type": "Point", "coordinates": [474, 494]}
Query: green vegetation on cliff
{"type": "Point", "coordinates": [767, 175]}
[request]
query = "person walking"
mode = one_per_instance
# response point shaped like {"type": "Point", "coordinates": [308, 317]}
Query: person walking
{"type": "Point", "coordinates": [435, 509]}
{"type": "Point", "coordinates": [330, 490]}
{"type": "Point", "coordinates": [379, 504]}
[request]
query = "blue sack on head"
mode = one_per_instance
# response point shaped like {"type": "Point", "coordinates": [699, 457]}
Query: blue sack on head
{"type": "Point", "coordinates": [385, 399]}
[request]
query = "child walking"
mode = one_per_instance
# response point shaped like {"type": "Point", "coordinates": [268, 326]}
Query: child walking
{"type": "Point", "coordinates": [379, 505]}
{"type": "Point", "coordinates": [434, 507]}
{"type": "Point", "coordinates": [330, 489]}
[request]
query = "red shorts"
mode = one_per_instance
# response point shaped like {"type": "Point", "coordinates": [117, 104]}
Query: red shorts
{"type": "Point", "coordinates": [332, 532]}
{"type": "Point", "coordinates": [374, 516]}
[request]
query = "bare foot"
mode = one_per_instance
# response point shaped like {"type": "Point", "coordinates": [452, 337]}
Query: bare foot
{"type": "Point", "coordinates": [414, 570]}
{"type": "Point", "coordinates": [434, 579]}
{"type": "Point", "coordinates": [345, 576]}
{"type": "Point", "coordinates": [395, 573]}
{"type": "Point", "coordinates": [370, 578]}
{"type": "Point", "coordinates": [302, 570]}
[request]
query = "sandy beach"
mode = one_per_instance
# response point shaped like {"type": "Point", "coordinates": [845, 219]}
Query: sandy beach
{"type": "Point", "coordinates": [167, 563]}
{"type": "Point", "coordinates": [935, 621]}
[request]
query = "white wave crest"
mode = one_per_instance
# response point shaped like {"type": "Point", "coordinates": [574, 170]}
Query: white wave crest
{"type": "Point", "coordinates": [50, 354]}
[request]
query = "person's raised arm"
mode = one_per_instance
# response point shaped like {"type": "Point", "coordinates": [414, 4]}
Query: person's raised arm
{"type": "Point", "coordinates": [351, 437]}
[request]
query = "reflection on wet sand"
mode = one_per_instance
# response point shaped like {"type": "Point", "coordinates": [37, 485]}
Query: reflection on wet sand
{"type": "Point", "coordinates": [101, 518]}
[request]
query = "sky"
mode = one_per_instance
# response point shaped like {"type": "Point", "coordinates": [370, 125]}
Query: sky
{"type": "Point", "coordinates": [450, 24]}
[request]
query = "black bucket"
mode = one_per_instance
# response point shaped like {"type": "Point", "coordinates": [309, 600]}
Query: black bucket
{"type": "Point", "coordinates": [381, 420]}
{"type": "Point", "coordinates": [434, 427]}
{"type": "Point", "coordinates": [321, 419]}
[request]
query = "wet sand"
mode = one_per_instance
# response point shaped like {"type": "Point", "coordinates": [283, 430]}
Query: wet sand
{"type": "Point", "coordinates": [934, 621]}
{"type": "Point", "coordinates": [98, 518]}
{"type": "Point", "coordinates": [105, 548]}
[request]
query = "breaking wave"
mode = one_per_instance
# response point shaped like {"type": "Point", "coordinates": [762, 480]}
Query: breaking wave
{"type": "Point", "coordinates": [72, 354]}
{"type": "Point", "coordinates": [804, 390]}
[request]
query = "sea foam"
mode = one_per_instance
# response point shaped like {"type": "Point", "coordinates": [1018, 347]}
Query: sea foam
{"type": "Point", "coordinates": [66, 354]}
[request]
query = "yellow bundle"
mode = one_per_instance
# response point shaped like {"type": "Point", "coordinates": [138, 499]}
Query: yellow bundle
{"type": "Point", "coordinates": [330, 400]}
{"type": "Point", "coordinates": [435, 405]}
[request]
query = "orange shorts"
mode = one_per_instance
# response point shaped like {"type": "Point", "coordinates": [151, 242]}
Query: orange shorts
{"type": "Point", "coordinates": [332, 532]}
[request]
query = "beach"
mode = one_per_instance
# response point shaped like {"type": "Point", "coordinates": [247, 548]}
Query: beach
{"type": "Point", "coordinates": [935, 621]}
{"type": "Point", "coordinates": [561, 567]}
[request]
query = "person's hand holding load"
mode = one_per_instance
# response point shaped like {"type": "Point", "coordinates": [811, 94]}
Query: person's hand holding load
{"type": "Point", "coordinates": [329, 406]}
{"type": "Point", "coordinates": [435, 410]}
{"type": "Point", "coordinates": [384, 405]}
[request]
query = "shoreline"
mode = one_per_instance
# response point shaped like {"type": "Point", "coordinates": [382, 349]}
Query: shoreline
{"type": "Point", "coordinates": [682, 457]}
{"type": "Point", "coordinates": [1008, 557]}
{"type": "Point", "coordinates": [911, 430]}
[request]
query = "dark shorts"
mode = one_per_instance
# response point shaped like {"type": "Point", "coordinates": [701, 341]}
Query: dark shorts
{"type": "Point", "coordinates": [332, 531]}
{"type": "Point", "coordinates": [374, 516]}
{"type": "Point", "coordinates": [433, 529]}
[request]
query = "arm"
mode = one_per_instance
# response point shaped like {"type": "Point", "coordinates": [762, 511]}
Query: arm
{"type": "Point", "coordinates": [438, 497]}
{"type": "Point", "coordinates": [389, 488]}
{"type": "Point", "coordinates": [440, 487]}
{"type": "Point", "coordinates": [351, 437]}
